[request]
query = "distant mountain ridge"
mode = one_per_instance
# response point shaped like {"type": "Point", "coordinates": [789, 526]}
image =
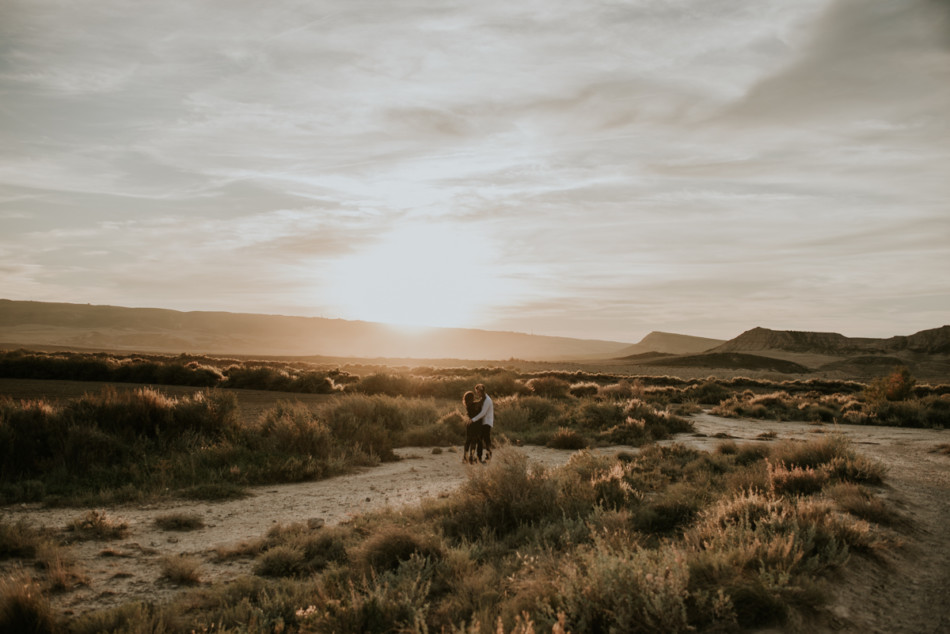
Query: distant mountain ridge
{"type": "Point", "coordinates": [932, 341]}
{"type": "Point", "coordinates": [170, 331]}
{"type": "Point", "coordinates": [669, 343]}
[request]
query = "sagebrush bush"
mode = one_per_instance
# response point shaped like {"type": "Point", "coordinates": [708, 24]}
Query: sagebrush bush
{"type": "Point", "coordinates": [181, 569]}
{"type": "Point", "coordinates": [98, 524]}
{"type": "Point", "coordinates": [854, 499]}
{"type": "Point", "coordinates": [390, 546]}
{"type": "Point", "coordinates": [549, 387]}
{"type": "Point", "coordinates": [584, 389]}
{"type": "Point", "coordinates": [500, 498]}
{"type": "Point", "coordinates": [611, 589]}
{"type": "Point", "coordinates": [598, 416]}
{"type": "Point", "coordinates": [621, 390]}
{"type": "Point", "coordinates": [526, 413]}
{"type": "Point", "coordinates": [179, 522]}
{"type": "Point", "coordinates": [565, 438]}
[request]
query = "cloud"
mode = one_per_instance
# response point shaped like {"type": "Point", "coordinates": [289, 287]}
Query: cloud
{"type": "Point", "coordinates": [629, 161]}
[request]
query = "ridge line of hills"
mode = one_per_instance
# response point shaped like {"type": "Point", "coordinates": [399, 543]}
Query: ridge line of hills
{"type": "Point", "coordinates": [157, 330]}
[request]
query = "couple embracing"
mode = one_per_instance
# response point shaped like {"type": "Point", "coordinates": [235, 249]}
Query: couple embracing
{"type": "Point", "coordinates": [481, 418]}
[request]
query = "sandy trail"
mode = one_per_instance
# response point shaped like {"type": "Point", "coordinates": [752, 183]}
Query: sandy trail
{"type": "Point", "coordinates": [909, 591]}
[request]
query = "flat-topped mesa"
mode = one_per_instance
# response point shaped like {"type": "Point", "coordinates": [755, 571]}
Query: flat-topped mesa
{"type": "Point", "coordinates": [934, 341]}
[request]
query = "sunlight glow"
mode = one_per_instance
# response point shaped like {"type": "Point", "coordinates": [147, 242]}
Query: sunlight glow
{"type": "Point", "coordinates": [418, 275]}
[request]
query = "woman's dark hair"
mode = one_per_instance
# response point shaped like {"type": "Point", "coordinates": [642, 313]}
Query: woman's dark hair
{"type": "Point", "coordinates": [468, 397]}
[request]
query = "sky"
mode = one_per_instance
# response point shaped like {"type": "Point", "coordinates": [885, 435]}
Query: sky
{"type": "Point", "coordinates": [582, 168]}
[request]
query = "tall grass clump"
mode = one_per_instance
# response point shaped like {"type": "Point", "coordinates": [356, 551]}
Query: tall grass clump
{"type": "Point", "coordinates": [375, 425]}
{"type": "Point", "coordinates": [129, 445]}
{"type": "Point", "coordinates": [24, 607]}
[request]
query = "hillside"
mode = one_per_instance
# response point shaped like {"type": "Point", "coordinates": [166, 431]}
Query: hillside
{"type": "Point", "coordinates": [170, 331]}
{"type": "Point", "coordinates": [669, 343]}
{"type": "Point", "coordinates": [731, 360]}
{"type": "Point", "coordinates": [933, 341]}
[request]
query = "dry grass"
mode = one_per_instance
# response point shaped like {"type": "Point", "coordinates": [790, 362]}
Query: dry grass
{"type": "Point", "coordinates": [182, 570]}
{"type": "Point", "coordinates": [179, 522]}
{"type": "Point", "coordinates": [24, 607]}
{"type": "Point", "coordinates": [98, 525]}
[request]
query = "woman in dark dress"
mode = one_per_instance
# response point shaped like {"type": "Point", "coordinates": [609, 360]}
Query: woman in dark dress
{"type": "Point", "coordinates": [473, 433]}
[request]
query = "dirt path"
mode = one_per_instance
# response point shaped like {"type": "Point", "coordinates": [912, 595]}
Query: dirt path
{"type": "Point", "coordinates": [129, 569]}
{"type": "Point", "coordinates": [907, 592]}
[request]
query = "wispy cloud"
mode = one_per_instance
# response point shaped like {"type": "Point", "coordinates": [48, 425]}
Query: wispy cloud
{"type": "Point", "coordinates": [702, 165]}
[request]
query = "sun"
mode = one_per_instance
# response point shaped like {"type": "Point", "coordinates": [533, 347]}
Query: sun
{"type": "Point", "coordinates": [418, 275]}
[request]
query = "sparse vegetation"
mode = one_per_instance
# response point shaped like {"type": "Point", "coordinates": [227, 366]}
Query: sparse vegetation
{"type": "Point", "coordinates": [98, 525]}
{"type": "Point", "coordinates": [181, 570]}
{"type": "Point", "coordinates": [179, 522]}
{"type": "Point", "coordinates": [664, 539]}
{"type": "Point", "coordinates": [671, 539]}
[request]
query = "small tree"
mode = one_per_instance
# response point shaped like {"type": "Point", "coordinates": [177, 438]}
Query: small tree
{"type": "Point", "coordinates": [896, 386]}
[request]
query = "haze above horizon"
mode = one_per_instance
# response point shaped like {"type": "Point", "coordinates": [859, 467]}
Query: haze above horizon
{"type": "Point", "coordinates": [590, 170]}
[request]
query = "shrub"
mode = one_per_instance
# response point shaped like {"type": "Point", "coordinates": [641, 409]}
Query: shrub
{"type": "Point", "coordinates": [24, 608]}
{"type": "Point", "coordinates": [549, 387]}
{"type": "Point", "coordinates": [384, 603]}
{"type": "Point", "coordinates": [671, 510]}
{"type": "Point", "coordinates": [181, 570]}
{"type": "Point", "coordinates": [896, 386]}
{"type": "Point", "coordinates": [620, 391]}
{"type": "Point", "coordinates": [98, 525]}
{"type": "Point", "coordinates": [795, 480]}
{"type": "Point", "coordinates": [859, 502]}
{"type": "Point", "coordinates": [584, 390]}
{"type": "Point", "coordinates": [291, 428]}
{"type": "Point", "coordinates": [622, 589]}
{"type": "Point", "coordinates": [390, 546]}
{"type": "Point", "coordinates": [280, 561]}
{"type": "Point", "coordinates": [502, 497]}
{"type": "Point", "coordinates": [19, 540]}
{"type": "Point", "coordinates": [565, 438]}
{"type": "Point", "coordinates": [526, 413]}
{"type": "Point", "coordinates": [179, 522]}
{"type": "Point", "coordinates": [708, 392]}
{"type": "Point", "coordinates": [597, 416]}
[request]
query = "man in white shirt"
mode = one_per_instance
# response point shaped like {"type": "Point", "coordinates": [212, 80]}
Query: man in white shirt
{"type": "Point", "coordinates": [487, 418]}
